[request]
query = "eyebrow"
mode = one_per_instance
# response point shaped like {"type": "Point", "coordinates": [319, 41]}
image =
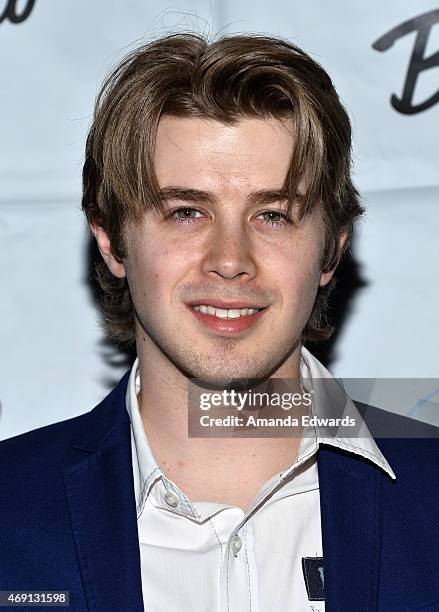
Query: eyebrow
{"type": "Point", "coordinates": [264, 196]}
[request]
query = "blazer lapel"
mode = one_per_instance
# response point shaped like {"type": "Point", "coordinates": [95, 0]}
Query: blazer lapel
{"type": "Point", "coordinates": [100, 490]}
{"type": "Point", "coordinates": [350, 501]}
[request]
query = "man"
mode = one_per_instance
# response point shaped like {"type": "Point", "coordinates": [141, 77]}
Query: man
{"type": "Point", "coordinates": [217, 185]}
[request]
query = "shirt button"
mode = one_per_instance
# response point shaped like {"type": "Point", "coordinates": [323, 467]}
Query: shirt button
{"type": "Point", "coordinates": [235, 545]}
{"type": "Point", "coordinates": [171, 499]}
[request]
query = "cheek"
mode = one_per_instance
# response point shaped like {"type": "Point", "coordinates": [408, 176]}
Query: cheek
{"type": "Point", "coordinates": [153, 272]}
{"type": "Point", "coordinates": [301, 286]}
{"type": "Point", "coordinates": [298, 277]}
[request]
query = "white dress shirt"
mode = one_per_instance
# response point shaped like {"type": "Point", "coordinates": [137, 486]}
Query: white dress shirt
{"type": "Point", "coordinates": [201, 556]}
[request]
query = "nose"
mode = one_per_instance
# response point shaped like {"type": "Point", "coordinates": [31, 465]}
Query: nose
{"type": "Point", "coordinates": [229, 251]}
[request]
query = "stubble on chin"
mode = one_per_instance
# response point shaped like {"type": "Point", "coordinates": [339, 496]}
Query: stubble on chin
{"type": "Point", "coordinates": [227, 363]}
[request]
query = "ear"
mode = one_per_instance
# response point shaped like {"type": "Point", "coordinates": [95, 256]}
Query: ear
{"type": "Point", "coordinates": [326, 276]}
{"type": "Point", "coordinates": [116, 267]}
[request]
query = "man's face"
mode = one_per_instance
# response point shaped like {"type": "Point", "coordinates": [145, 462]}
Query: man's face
{"type": "Point", "coordinates": [223, 245]}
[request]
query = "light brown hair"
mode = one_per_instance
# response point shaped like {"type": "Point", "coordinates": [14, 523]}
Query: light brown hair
{"type": "Point", "coordinates": [235, 76]}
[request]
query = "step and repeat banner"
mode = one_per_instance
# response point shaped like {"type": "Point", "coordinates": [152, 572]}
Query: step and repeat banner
{"type": "Point", "coordinates": [384, 61]}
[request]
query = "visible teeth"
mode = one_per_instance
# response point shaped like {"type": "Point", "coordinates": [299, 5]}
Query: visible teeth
{"type": "Point", "coordinates": [223, 313]}
{"type": "Point", "coordinates": [233, 314]}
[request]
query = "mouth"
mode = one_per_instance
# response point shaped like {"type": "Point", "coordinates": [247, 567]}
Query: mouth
{"type": "Point", "coordinates": [226, 313]}
{"type": "Point", "coordinates": [228, 320]}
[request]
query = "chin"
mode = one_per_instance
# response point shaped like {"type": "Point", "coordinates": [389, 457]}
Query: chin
{"type": "Point", "coordinates": [223, 379]}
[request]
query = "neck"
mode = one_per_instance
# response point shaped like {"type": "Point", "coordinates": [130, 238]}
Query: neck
{"type": "Point", "coordinates": [224, 470]}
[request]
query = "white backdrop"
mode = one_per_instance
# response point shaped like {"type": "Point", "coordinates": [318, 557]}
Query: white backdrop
{"type": "Point", "coordinates": [52, 360]}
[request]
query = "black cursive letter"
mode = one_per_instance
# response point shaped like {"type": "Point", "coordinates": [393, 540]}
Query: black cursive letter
{"type": "Point", "coordinates": [422, 24]}
{"type": "Point", "coordinates": [11, 14]}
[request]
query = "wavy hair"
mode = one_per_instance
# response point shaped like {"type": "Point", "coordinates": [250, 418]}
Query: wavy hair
{"type": "Point", "coordinates": [186, 75]}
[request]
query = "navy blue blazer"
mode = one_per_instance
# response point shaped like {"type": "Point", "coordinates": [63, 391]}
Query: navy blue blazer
{"type": "Point", "coordinates": [68, 516]}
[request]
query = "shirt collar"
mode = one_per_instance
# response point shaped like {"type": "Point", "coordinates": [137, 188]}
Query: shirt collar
{"type": "Point", "coordinates": [146, 469]}
{"type": "Point", "coordinates": [363, 444]}
{"type": "Point", "coordinates": [145, 466]}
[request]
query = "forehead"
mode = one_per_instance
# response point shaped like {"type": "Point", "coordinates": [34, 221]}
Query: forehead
{"type": "Point", "coordinates": [211, 155]}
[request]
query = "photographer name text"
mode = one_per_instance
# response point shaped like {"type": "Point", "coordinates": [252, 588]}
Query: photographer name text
{"type": "Point", "coordinates": [288, 421]}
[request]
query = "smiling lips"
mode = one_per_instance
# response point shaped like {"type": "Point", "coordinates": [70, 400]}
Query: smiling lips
{"type": "Point", "coordinates": [227, 320]}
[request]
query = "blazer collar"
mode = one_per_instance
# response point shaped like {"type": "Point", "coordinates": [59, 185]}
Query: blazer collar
{"type": "Point", "coordinates": [351, 514]}
{"type": "Point", "coordinates": [94, 426]}
{"type": "Point", "coordinates": [99, 485]}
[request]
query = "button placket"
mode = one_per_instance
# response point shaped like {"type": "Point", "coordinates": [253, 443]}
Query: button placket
{"type": "Point", "coordinates": [235, 545]}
